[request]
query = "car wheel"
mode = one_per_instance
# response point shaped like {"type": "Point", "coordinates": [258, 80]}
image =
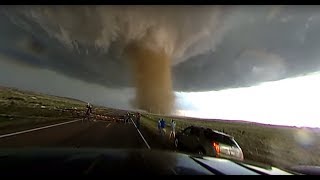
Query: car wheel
{"type": "Point", "coordinates": [176, 143]}
{"type": "Point", "coordinates": [201, 152]}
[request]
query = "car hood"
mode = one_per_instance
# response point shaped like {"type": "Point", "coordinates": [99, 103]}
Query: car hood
{"type": "Point", "coordinates": [103, 162]}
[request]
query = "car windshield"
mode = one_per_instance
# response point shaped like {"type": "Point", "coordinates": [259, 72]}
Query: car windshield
{"type": "Point", "coordinates": [134, 77]}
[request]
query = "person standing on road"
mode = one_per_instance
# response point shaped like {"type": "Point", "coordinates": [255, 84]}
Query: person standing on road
{"type": "Point", "coordinates": [129, 118]}
{"type": "Point", "coordinates": [173, 129]}
{"type": "Point", "coordinates": [138, 120]}
{"type": "Point", "coordinates": [159, 127]}
{"type": "Point", "coordinates": [126, 118]}
{"type": "Point", "coordinates": [88, 112]}
{"type": "Point", "coordinates": [163, 126]}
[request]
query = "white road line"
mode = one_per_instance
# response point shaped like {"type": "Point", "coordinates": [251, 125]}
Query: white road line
{"type": "Point", "coordinates": [141, 135]}
{"type": "Point", "coordinates": [36, 129]}
{"type": "Point", "coordinates": [175, 173]}
{"type": "Point", "coordinates": [108, 125]}
{"type": "Point", "coordinates": [106, 121]}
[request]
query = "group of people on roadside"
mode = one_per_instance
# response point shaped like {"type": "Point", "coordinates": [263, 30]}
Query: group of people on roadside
{"type": "Point", "coordinates": [162, 128]}
{"type": "Point", "coordinates": [127, 117]}
{"type": "Point", "coordinates": [136, 117]}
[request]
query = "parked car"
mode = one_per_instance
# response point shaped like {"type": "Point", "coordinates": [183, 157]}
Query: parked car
{"type": "Point", "coordinates": [205, 141]}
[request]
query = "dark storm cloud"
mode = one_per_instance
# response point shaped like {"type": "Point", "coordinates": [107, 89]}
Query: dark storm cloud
{"type": "Point", "coordinates": [287, 41]}
{"type": "Point", "coordinates": [264, 43]}
{"type": "Point", "coordinates": [39, 50]}
{"type": "Point", "coordinates": [49, 82]}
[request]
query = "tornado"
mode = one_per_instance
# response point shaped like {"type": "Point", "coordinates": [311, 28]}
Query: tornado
{"type": "Point", "coordinates": [152, 39]}
{"type": "Point", "coordinates": [151, 74]}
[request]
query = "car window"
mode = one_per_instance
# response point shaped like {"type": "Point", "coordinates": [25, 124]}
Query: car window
{"type": "Point", "coordinates": [228, 141]}
{"type": "Point", "coordinates": [220, 138]}
{"type": "Point", "coordinates": [187, 131]}
{"type": "Point", "coordinates": [208, 133]}
{"type": "Point", "coordinates": [224, 140]}
{"type": "Point", "coordinates": [195, 131]}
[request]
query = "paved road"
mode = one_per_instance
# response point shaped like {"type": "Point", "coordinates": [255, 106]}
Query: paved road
{"type": "Point", "coordinates": [97, 134]}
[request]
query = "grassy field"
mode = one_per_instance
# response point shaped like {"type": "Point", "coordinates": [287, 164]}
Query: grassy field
{"type": "Point", "coordinates": [22, 109]}
{"type": "Point", "coordinates": [273, 145]}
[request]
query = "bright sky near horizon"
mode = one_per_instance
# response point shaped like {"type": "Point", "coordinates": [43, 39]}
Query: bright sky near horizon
{"type": "Point", "coordinates": [292, 102]}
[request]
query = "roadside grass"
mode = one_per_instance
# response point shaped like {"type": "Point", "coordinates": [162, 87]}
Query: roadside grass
{"type": "Point", "coordinates": [274, 145]}
{"type": "Point", "coordinates": [22, 109]}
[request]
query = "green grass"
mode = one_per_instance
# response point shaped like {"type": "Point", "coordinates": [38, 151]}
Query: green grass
{"type": "Point", "coordinates": [16, 98]}
{"type": "Point", "coordinates": [273, 145]}
{"type": "Point", "coordinates": [22, 109]}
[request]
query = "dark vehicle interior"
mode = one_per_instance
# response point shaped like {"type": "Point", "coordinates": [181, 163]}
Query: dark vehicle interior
{"type": "Point", "coordinates": [103, 163]}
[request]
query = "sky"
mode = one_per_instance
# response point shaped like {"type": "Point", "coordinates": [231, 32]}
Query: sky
{"type": "Point", "coordinates": [254, 63]}
{"type": "Point", "coordinates": [289, 102]}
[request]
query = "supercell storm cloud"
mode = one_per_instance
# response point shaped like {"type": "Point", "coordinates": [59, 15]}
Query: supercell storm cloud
{"type": "Point", "coordinates": [162, 49]}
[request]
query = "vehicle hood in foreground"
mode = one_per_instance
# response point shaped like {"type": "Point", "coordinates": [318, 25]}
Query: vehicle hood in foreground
{"type": "Point", "coordinates": [104, 162]}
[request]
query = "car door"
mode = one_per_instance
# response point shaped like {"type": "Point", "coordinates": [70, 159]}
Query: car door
{"type": "Point", "coordinates": [184, 137]}
{"type": "Point", "coordinates": [194, 139]}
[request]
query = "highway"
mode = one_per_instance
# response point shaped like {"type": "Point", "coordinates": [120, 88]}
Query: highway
{"type": "Point", "coordinates": [78, 134]}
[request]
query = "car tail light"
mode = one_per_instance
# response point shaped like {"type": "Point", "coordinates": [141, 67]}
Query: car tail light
{"type": "Point", "coordinates": [216, 147]}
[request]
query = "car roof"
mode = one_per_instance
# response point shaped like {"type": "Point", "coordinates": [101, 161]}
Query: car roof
{"type": "Point", "coordinates": [222, 133]}
{"type": "Point", "coordinates": [214, 131]}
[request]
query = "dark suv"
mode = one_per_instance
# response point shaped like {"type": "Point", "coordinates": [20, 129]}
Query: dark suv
{"type": "Point", "coordinates": [205, 141]}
